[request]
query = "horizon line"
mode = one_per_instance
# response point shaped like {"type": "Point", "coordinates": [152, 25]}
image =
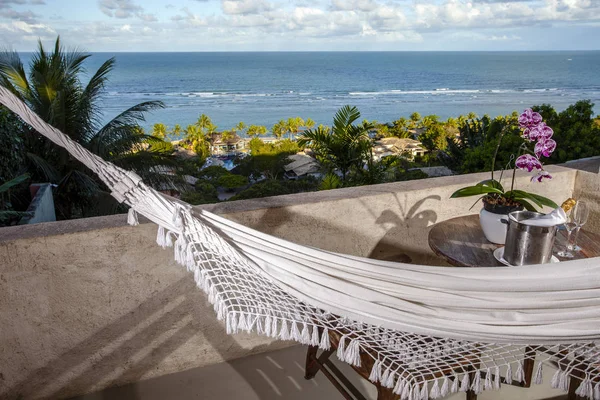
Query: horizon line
{"type": "Point", "coordinates": [330, 51]}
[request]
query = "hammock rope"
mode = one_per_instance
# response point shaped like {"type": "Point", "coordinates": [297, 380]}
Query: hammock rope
{"type": "Point", "coordinates": [430, 331]}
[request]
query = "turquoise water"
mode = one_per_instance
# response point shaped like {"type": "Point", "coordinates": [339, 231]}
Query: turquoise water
{"type": "Point", "coordinates": [261, 88]}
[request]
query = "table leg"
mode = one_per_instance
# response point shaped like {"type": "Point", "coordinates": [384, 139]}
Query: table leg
{"type": "Point", "coordinates": [312, 367]}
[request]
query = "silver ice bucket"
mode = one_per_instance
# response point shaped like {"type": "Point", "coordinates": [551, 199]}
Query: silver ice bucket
{"type": "Point", "coordinates": [528, 244]}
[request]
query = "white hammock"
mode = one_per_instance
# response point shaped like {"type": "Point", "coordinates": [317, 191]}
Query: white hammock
{"type": "Point", "coordinates": [415, 321]}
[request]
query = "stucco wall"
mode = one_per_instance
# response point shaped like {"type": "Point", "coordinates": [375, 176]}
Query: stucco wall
{"type": "Point", "coordinates": [92, 303]}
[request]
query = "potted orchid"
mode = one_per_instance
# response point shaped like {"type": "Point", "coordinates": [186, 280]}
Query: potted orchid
{"type": "Point", "coordinates": [498, 202]}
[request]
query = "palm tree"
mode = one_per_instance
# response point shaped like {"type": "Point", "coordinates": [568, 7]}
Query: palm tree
{"type": "Point", "coordinates": [279, 129]}
{"type": "Point", "coordinates": [345, 147]}
{"type": "Point", "coordinates": [53, 89]}
{"type": "Point", "coordinates": [159, 130]}
{"type": "Point", "coordinates": [176, 131]}
{"type": "Point", "coordinates": [309, 123]}
{"type": "Point", "coordinates": [197, 141]}
{"type": "Point", "coordinates": [239, 127]}
{"type": "Point", "coordinates": [293, 125]}
{"type": "Point", "coordinates": [256, 130]}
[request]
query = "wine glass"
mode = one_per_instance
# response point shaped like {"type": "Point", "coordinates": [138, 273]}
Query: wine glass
{"type": "Point", "coordinates": [580, 215]}
{"type": "Point", "coordinates": [567, 252]}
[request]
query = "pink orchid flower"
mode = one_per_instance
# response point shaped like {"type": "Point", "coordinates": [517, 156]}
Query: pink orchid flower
{"type": "Point", "coordinates": [544, 147]}
{"type": "Point", "coordinates": [540, 176]}
{"type": "Point", "coordinates": [538, 132]}
{"type": "Point", "coordinates": [529, 118]}
{"type": "Point", "coordinates": [528, 162]}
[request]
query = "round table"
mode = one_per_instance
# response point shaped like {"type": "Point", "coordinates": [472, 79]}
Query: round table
{"type": "Point", "coordinates": [461, 242]}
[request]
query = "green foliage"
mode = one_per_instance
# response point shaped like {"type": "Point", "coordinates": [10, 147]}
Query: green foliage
{"type": "Point", "coordinates": [232, 181]}
{"type": "Point", "coordinates": [576, 133]}
{"type": "Point", "coordinates": [213, 173]}
{"type": "Point", "coordinates": [12, 154]}
{"type": "Point", "coordinates": [204, 193]}
{"type": "Point", "coordinates": [345, 147]}
{"type": "Point", "coordinates": [53, 89]}
{"type": "Point", "coordinates": [285, 146]}
{"type": "Point", "coordinates": [256, 130]}
{"type": "Point", "coordinates": [8, 215]}
{"type": "Point", "coordinates": [330, 181]}
{"type": "Point", "coordinates": [160, 146]}
{"type": "Point", "coordinates": [159, 130]}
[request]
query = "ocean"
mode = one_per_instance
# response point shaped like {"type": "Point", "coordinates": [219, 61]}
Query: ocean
{"type": "Point", "coordinates": [262, 88]}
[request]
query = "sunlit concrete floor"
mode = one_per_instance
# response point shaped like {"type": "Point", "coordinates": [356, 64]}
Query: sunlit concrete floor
{"type": "Point", "coordinates": [276, 375]}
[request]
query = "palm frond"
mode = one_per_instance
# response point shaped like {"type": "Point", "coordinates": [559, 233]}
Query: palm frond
{"type": "Point", "coordinates": [345, 117]}
{"type": "Point", "coordinates": [13, 73]}
{"type": "Point", "coordinates": [87, 102]}
{"type": "Point", "coordinates": [43, 166]}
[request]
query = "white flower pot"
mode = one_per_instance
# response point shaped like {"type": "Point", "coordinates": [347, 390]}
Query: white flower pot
{"type": "Point", "coordinates": [493, 226]}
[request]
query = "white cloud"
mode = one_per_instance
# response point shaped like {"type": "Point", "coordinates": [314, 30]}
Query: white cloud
{"type": "Point", "coordinates": [124, 9]}
{"type": "Point", "coordinates": [245, 7]}
{"type": "Point", "coordinates": [316, 23]}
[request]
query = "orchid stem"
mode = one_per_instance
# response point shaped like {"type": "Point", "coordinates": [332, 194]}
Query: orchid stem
{"type": "Point", "coordinates": [496, 151]}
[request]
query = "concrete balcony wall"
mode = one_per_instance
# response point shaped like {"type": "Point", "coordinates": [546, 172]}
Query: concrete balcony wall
{"type": "Point", "coordinates": [93, 303]}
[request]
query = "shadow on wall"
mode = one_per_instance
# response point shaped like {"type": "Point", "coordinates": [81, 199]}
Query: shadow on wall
{"type": "Point", "coordinates": [97, 359]}
{"type": "Point", "coordinates": [392, 245]}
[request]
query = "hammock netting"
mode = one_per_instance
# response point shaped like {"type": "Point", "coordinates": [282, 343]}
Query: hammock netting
{"type": "Point", "coordinates": [430, 331]}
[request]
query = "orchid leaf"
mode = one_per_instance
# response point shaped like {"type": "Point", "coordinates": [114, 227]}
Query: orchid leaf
{"type": "Point", "coordinates": [543, 200]}
{"type": "Point", "coordinates": [528, 206]}
{"type": "Point", "coordinates": [540, 201]}
{"type": "Point", "coordinates": [491, 183]}
{"type": "Point", "coordinates": [474, 191]}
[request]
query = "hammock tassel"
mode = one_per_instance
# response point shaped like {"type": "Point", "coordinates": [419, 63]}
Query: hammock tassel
{"type": "Point", "coordinates": [445, 387]}
{"type": "Point", "coordinates": [464, 385]}
{"type": "Point", "coordinates": [341, 350]}
{"type": "Point", "coordinates": [132, 217]}
{"type": "Point", "coordinates": [424, 392]}
{"type": "Point", "coordinates": [231, 325]}
{"type": "Point", "coordinates": [563, 381]}
{"type": "Point", "coordinates": [400, 383]}
{"type": "Point", "coordinates": [435, 390]}
{"type": "Point", "coordinates": [169, 239]}
{"type": "Point", "coordinates": [455, 380]}
{"type": "Point", "coordinates": [509, 374]}
{"type": "Point", "coordinates": [488, 380]}
{"type": "Point", "coordinates": [388, 382]}
{"type": "Point", "coordinates": [582, 389]}
{"type": "Point", "coordinates": [352, 355]}
{"type": "Point", "coordinates": [220, 311]}
{"type": "Point", "coordinates": [555, 379]}
{"type": "Point", "coordinates": [405, 391]}
{"type": "Point", "coordinates": [295, 333]}
{"type": "Point", "coordinates": [520, 375]}
{"type": "Point", "coordinates": [284, 334]}
{"type": "Point", "coordinates": [384, 376]}
{"type": "Point", "coordinates": [374, 376]}
{"type": "Point", "coordinates": [497, 378]}
{"type": "Point", "coordinates": [325, 345]}
{"type": "Point", "coordinates": [306, 339]}
{"type": "Point", "coordinates": [314, 340]}
{"type": "Point", "coordinates": [597, 391]}
{"type": "Point", "coordinates": [268, 325]}
{"type": "Point", "coordinates": [241, 325]}
{"type": "Point", "coordinates": [160, 237]}
{"type": "Point", "coordinates": [537, 378]}
{"type": "Point", "coordinates": [476, 386]}
{"type": "Point", "coordinates": [179, 250]}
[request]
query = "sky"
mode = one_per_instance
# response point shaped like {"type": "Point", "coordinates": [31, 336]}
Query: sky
{"type": "Point", "coordinates": [302, 25]}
